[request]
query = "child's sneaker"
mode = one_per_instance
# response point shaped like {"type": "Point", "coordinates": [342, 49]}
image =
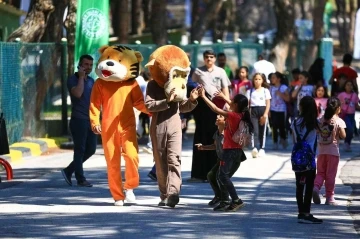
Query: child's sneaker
{"type": "Point", "coordinates": [347, 147]}
{"type": "Point", "coordinates": [261, 153]}
{"type": "Point", "coordinates": [300, 217]}
{"type": "Point", "coordinates": [222, 206]}
{"type": "Point", "coordinates": [235, 205]}
{"type": "Point", "coordinates": [310, 219]}
{"type": "Point", "coordinates": [254, 153]}
{"type": "Point", "coordinates": [214, 201]}
{"type": "Point", "coordinates": [284, 143]}
{"type": "Point", "coordinates": [316, 197]}
{"type": "Point", "coordinates": [332, 203]}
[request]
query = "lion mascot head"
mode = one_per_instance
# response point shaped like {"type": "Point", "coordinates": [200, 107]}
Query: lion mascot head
{"type": "Point", "coordinates": [169, 66]}
{"type": "Point", "coordinates": [118, 63]}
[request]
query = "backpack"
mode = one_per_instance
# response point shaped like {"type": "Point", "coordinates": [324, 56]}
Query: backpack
{"type": "Point", "coordinates": [302, 155]}
{"type": "Point", "coordinates": [327, 131]}
{"type": "Point", "coordinates": [242, 135]}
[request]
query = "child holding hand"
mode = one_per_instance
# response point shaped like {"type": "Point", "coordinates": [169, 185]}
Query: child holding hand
{"type": "Point", "coordinates": [232, 151]}
{"type": "Point", "coordinates": [221, 194]}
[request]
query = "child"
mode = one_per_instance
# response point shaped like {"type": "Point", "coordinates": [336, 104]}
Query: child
{"type": "Point", "coordinates": [279, 97]}
{"type": "Point", "coordinates": [331, 129]}
{"type": "Point", "coordinates": [221, 194]}
{"type": "Point", "coordinates": [242, 84]}
{"type": "Point", "coordinates": [321, 97]}
{"type": "Point", "coordinates": [232, 151]}
{"type": "Point", "coordinates": [304, 128]}
{"type": "Point", "coordinates": [304, 89]}
{"type": "Point", "coordinates": [259, 102]}
{"type": "Point", "coordinates": [349, 103]}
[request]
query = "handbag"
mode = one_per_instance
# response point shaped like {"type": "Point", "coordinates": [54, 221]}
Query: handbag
{"type": "Point", "coordinates": [4, 143]}
{"type": "Point", "coordinates": [343, 114]}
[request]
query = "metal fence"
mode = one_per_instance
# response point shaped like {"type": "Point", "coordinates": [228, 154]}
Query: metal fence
{"type": "Point", "coordinates": [30, 81]}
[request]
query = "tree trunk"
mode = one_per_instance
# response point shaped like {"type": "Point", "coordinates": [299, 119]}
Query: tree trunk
{"type": "Point", "coordinates": [202, 19]}
{"type": "Point", "coordinates": [341, 22]}
{"type": "Point", "coordinates": [146, 6]}
{"type": "Point", "coordinates": [35, 22]}
{"type": "Point", "coordinates": [70, 24]}
{"type": "Point", "coordinates": [158, 22]}
{"type": "Point", "coordinates": [351, 30]}
{"type": "Point", "coordinates": [43, 23]}
{"type": "Point", "coordinates": [284, 12]}
{"type": "Point", "coordinates": [136, 17]}
{"type": "Point", "coordinates": [222, 22]}
{"type": "Point", "coordinates": [318, 26]}
{"type": "Point", "coordinates": [120, 19]}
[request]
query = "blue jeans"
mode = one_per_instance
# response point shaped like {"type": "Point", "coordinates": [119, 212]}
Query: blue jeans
{"type": "Point", "coordinates": [84, 146]}
{"type": "Point", "coordinates": [350, 125]}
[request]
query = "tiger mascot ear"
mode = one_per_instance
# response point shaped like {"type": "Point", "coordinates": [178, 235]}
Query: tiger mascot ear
{"type": "Point", "coordinates": [139, 56]}
{"type": "Point", "coordinates": [102, 49]}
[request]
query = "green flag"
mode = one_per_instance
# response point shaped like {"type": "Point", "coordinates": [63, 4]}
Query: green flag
{"type": "Point", "coordinates": [92, 27]}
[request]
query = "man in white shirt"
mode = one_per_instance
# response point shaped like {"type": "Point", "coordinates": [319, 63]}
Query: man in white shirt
{"type": "Point", "coordinates": [263, 66]}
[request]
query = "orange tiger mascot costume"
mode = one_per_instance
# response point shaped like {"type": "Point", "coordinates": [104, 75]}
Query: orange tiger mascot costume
{"type": "Point", "coordinates": [115, 93]}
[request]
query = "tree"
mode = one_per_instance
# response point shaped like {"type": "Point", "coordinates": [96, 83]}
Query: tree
{"type": "Point", "coordinates": [158, 22]}
{"type": "Point", "coordinates": [345, 22]}
{"type": "Point", "coordinates": [43, 23]}
{"type": "Point", "coordinates": [121, 19]}
{"type": "Point", "coordinates": [202, 18]}
{"type": "Point", "coordinates": [284, 12]}
{"type": "Point", "coordinates": [137, 17]}
{"type": "Point", "coordinates": [70, 24]}
{"type": "Point", "coordinates": [223, 20]}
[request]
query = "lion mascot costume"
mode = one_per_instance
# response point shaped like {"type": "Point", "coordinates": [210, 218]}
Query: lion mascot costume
{"type": "Point", "coordinates": [165, 98]}
{"type": "Point", "coordinates": [115, 93]}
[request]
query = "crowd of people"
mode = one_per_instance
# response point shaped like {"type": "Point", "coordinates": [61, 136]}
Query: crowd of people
{"type": "Point", "coordinates": [265, 99]}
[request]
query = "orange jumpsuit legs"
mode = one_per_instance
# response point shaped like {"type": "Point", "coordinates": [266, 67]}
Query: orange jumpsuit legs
{"type": "Point", "coordinates": [112, 152]}
{"type": "Point", "coordinates": [130, 153]}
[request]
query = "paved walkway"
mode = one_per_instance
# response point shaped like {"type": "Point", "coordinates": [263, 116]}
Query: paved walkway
{"type": "Point", "coordinates": [39, 204]}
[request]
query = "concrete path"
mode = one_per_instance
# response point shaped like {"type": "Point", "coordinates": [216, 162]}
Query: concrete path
{"type": "Point", "coordinates": [39, 204]}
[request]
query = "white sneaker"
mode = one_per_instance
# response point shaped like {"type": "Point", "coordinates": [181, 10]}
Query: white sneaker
{"type": "Point", "coordinates": [119, 203]}
{"type": "Point", "coordinates": [261, 153]}
{"type": "Point", "coordinates": [130, 196]}
{"type": "Point", "coordinates": [254, 153]}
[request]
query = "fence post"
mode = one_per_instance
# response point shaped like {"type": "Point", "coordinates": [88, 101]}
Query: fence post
{"type": "Point", "coordinates": [239, 53]}
{"type": "Point", "coordinates": [64, 108]}
{"type": "Point", "coordinates": [195, 53]}
{"type": "Point", "coordinates": [326, 52]}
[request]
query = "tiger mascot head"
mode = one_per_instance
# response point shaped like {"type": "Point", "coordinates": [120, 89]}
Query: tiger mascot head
{"type": "Point", "coordinates": [118, 63]}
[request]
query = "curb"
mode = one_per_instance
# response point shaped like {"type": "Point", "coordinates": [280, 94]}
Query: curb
{"type": "Point", "coordinates": [28, 147]}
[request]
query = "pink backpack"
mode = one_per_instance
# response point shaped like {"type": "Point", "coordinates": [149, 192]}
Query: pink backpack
{"type": "Point", "coordinates": [327, 131]}
{"type": "Point", "coordinates": [242, 135]}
